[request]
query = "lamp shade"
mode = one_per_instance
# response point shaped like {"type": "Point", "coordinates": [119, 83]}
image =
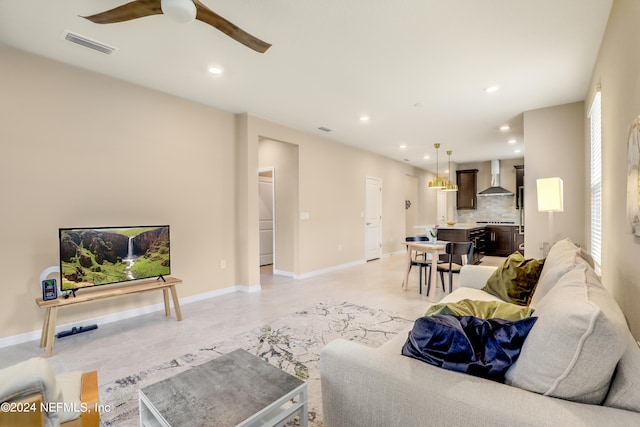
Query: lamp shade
{"type": "Point", "coordinates": [550, 195]}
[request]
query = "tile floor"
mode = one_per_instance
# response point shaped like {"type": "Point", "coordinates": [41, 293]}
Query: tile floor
{"type": "Point", "coordinates": [129, 346]}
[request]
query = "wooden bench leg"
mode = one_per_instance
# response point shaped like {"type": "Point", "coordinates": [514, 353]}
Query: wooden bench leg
{"type": "Point", "coordinates": [167, 307]}
{"type": "Point", "coordinates": [45, 328]}
{"type": "Point", "coordinates": [176, 303]}
{"type": "Point", "coordinates": [53, 312]}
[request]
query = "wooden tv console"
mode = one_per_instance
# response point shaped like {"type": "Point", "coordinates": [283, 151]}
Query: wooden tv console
{"type": "Point", "coordinates": [52, 306]}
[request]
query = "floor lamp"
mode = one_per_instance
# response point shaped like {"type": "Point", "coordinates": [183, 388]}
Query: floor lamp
{"type": "Point", "coordinates": [550, 199]}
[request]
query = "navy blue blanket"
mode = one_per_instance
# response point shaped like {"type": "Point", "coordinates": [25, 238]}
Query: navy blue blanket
{"type": "Point", "coordinates": [481, 347]}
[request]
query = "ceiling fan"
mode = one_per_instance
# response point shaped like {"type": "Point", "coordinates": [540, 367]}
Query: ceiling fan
{"type": "Point", "coordinates": [182, 11]}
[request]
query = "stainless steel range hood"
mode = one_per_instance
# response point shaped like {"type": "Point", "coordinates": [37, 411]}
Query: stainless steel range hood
{"type": "Point", "coordinates": [495, 189]}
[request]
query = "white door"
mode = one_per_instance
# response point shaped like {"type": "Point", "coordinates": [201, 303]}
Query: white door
{"type": "Point", "coordinates": [373, 218]}
{"type": "Point", "coordinates": [265, 189]}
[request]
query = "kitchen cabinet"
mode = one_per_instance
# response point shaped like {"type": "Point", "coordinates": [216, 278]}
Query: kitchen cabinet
{"type": "Point", "coordinates": [475, 235]}
{"type": "Point", "coordinates": [503, 240]}
{"type": "Point", "coordinates": [519, 186]}
{"type": "Point", "coordinates": [466, 197]}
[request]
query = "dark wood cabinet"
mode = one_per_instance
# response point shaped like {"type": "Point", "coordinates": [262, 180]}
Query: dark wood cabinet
{"type": "Point", "coordinates": [475, 235]}
{"type": "Point", "coordinates": [466, 197]}
{"type": "Point", "coordinates": [502, 240]}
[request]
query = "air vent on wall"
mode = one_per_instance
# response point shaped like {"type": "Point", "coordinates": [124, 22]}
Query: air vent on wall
{"type": "Point", "coordinates": [325, 129]}
{"type": "Point", "coordinates": [87, 42]}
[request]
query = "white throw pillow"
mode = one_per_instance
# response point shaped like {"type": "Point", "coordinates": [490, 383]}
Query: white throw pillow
{"type": "Point", "coordinates": [562, 257]}
{"type": "Point", "coordinates": [576, 343]}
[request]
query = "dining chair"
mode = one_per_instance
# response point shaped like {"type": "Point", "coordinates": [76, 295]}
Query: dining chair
{"type": "Point", "coordinates": [420, 260]}
{"type": "Point", "coordinates": [463, 249]}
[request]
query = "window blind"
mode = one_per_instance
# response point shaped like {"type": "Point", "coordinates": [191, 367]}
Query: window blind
{"type": "Point", "coordinates": [595, 116]}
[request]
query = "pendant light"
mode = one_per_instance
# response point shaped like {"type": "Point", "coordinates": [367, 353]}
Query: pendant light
{"type": "Point", "coordinates": [437, 182]}
{"type": "Point", "coordinates": [450, 185]}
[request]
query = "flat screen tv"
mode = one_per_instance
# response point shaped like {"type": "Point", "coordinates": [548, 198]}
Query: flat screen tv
{"type": "Point", "coordinates": [104, 255]}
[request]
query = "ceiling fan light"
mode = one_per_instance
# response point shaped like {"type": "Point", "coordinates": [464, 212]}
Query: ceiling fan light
{"type": "Point", "coordinates": [183, 11]}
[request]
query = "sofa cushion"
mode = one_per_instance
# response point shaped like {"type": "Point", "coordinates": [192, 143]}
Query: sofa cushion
{"type": "Point", "coordinates": [624, 392]}
{"type": "Point", "coordinates": [481, 347]}
{"type": "Point", "coordinates": [580, 336]}
{"type": "Point", "coordinates": [562, 257]}
{"type": "Point", "coordinates": [481, 309]}
{"type": "Point", "coordinates": [71, 386]}
{"type": "Point", "coordinates": [515, 280]}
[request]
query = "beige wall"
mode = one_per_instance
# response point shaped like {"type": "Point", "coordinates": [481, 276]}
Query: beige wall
{"type": "Point", "coordinates": [427, 212]}
{"type": "Point", "coordinates": [411, 214]}
{"type": "Point", "coordinates": [554, 144]}
{"type": "Point", "coordinates": [331, 189]}
{"type": "Point", "coordinates": [81, 149]}
{"type": "Point", "coordinates": [618, 70]}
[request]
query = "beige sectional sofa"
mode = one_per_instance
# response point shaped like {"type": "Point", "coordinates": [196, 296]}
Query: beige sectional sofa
{"type": "Point", "coordinates": [579, 365]}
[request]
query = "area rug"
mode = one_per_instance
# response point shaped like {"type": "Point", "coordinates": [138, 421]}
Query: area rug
{"type": "Point", "coordinates": [292, 343]}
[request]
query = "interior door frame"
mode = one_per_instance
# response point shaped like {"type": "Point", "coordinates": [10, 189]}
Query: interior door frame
{"type": "Point", "coordinates": [273, 209]}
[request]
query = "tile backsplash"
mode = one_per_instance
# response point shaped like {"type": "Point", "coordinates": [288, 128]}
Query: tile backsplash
{"type": "Point", "coordinates": [491, 208]}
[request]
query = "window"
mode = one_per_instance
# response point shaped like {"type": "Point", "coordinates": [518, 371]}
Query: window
{"type": "Point", "coordinates": [595, 116]}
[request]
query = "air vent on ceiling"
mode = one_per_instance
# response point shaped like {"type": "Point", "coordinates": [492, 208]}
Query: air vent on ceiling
{"type": "Point", "coordinates": [325, 129]}
{"type": "Point", "coordinates": [87, 42]}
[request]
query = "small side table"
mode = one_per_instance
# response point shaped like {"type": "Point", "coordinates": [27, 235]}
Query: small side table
{"type": "Point", "coordinates": [236, 389]}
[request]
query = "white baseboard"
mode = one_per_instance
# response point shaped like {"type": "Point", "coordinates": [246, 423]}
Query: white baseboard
{"type": "Point", "coordinates": [329, 269]}
{"type": "Point", "coordinates": [398, 252]}
{"type": "Point", "coordinates": [284, 273]}
{"type": "Point", "coordinates": [122, 315]}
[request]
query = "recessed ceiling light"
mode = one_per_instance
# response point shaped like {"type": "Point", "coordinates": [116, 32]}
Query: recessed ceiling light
{"type": "Point", "coordinates": [403, 146]}
{"type": "Point", "coordinates": [491, 89]}
{"type": "Point", "coordinates": [426, 157]}
{"type": "Point", "coordinates": [505, 128]}
{"type": "Point", "coordinates": [364, 118]}
{"type": "Point", "coordinates": [512, 141]}
{"type": "Point", "coordinates": [516, 151]}
{"type": "Point", "coordinates": [216, 70]}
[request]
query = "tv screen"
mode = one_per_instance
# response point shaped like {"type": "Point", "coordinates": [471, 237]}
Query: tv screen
{"type": "Point", "coordinates": [104, 255]}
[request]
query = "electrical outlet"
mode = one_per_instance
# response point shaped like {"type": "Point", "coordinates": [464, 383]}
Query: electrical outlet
{"type": "Point", "coordinates": [339, 248]}
{"type": "Point", "coordinates": [223, 264]}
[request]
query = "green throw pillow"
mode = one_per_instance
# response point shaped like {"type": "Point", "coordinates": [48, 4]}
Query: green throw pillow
{"type": "Point", "coordinates": [481, 309]}
{"type": "Point", "coordinates": [515, 280]}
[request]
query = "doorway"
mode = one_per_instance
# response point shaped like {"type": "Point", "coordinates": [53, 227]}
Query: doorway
{"type": "Point", "coordinates": [266, 215]}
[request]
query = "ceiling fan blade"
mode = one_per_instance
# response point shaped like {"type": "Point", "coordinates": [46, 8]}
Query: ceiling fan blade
{"type": "Point", "coordinates": [126, 12]}
{"type": "Point", "coordinates": [208, 16]}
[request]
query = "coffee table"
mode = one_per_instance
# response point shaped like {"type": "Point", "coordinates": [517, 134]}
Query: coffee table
{"type": "Point", "coordinates": [236, 389]}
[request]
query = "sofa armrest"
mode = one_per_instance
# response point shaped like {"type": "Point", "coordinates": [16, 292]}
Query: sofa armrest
{"type": "Point", "coordinates": [475, 276]}
{"type": "Point", "coordinates": [363, 386]}
{"type": "Point", "coordinates": [89, 396]}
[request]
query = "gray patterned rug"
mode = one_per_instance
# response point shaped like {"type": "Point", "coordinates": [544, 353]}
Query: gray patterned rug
{"type": "Point", "coordinates": [292, 343]}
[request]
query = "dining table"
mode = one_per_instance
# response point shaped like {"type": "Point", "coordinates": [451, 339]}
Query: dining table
{"type": "Point", "coordinates": [435, 249]}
